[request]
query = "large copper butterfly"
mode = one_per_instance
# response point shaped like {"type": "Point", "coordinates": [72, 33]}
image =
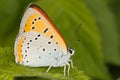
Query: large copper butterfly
{"type": "Point", "coordinates": [39, 43]}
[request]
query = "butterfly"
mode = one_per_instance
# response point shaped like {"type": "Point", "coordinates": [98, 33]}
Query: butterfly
{"type": "Point", "coordinates": [39, 43]}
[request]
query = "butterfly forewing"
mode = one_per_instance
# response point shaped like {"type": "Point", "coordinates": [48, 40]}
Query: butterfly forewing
{"type": "Point", "coordinates": [35, 19]}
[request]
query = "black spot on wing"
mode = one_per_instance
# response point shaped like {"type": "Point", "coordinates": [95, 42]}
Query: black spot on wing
{"type": "Point", "coordinates": [25, 56]}
{"type": "Point", "coordinates": [33, 27]}
{"type": "Point", "coordinates": [27, 61]}
{"type": "Point", "coordinates": [39, 57]}
{"type": "Point", "coordinates": [28, 43]}
{"type": "Point", "coordinates": [54, 49]}
{"type": "Point", "coordinates": [38, 35]}
{"type": "Point", "coordinates": [35, 19]}
{"type": "Point", "coordinates": [30, 40]}
{"type": "Point", "coordinates": [49, 42]}
{"type": "Point", "coordinates": [25, 51]}
{"type": "Point", "coordinates": [56, 42]}
{"type": "Point", "coordinates": [36, 38]}
{"type": "Point", "coordinates": [45, 30]}
{"type": "Point", "coordinates": [51, 36]}
{"type": "Point", "coordinates": [28, 47]}
{"type": "Point", "coordinates": [33, 22]}
{"type": "Point", "coordinates": [62, 55]}
{"type": "Point", "coordinates": [39, 18]}
{"type": "Point", "coordinates": [43, 49]}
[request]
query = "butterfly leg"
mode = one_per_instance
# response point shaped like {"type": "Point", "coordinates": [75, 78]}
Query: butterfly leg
{"type": "Point", "coordinates": [64, 70]}
{"type": "Point", "coordinates": [68, 68]}
{"type": "Point", "coordinates": [71, 62]}
{"type": "Point", "coordinates": [48, 68]}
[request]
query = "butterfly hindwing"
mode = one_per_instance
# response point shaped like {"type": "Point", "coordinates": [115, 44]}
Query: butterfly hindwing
{"type": "Point", "coordinates": [35, 49]}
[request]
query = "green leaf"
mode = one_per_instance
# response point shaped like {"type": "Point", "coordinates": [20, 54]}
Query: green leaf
{"type": "Point", "coordinates": [9, 70]}
{"type": "Point", "coordinates": [108, 30]}
{"type": "Point", "coordinates": [67, 15]}
{"type": "Point", "coordinates": [114, 6]}
{"type": "Point", "coordinates": [8, 14]}
{"type": "Point", "coordinates": [11, 12]}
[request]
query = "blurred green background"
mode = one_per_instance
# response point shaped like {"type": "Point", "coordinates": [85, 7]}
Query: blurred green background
{"type": "Point", "coordinates": [97, 53]}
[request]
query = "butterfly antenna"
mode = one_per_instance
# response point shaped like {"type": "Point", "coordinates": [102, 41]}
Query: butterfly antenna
{"type": "Point", "coordinates": [75, 34]}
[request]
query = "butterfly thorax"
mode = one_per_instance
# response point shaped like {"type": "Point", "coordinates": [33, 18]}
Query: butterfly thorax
{"type": "Point", "coordinates": [61, 60]}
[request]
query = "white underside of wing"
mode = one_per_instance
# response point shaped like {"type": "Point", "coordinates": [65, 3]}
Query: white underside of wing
{"type": "Point", "coordinates": [39, 52]}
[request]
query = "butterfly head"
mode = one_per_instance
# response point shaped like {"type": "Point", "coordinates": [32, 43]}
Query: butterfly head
{"type": "Point", "coordinates": [70, 51]}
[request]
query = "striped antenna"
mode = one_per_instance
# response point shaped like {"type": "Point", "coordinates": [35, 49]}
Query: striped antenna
{"type": "Point", "coordinates": [75, 34]}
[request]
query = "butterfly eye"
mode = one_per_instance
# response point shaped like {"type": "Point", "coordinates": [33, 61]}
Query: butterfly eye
{"type": "Point", "coordinates": [71, 51]}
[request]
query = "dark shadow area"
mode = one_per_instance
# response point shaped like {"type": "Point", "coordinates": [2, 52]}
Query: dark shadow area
{"type": "Point", "coordinates": [114, 71]}
{"type": "Point", "coordinates": [29, 78]}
